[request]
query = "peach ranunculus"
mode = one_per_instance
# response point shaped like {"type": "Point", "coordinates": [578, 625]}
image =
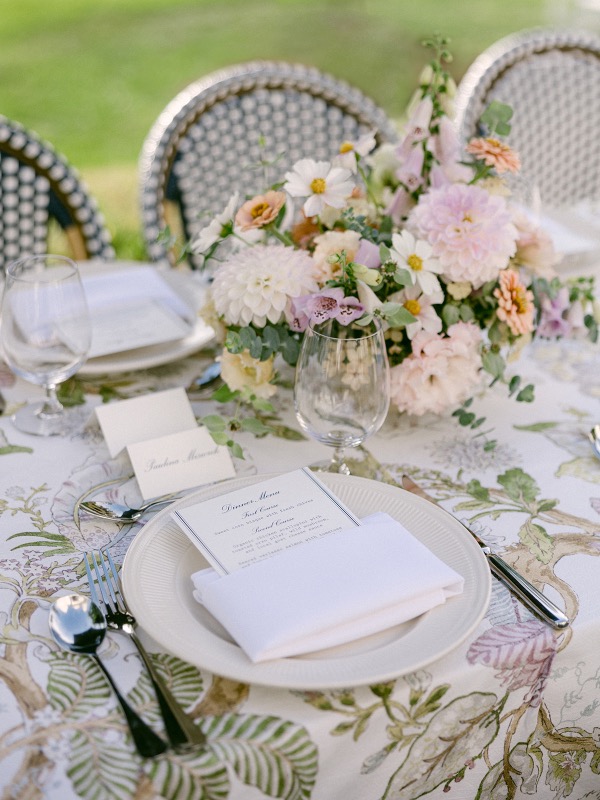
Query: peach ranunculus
{"type": "Point", "coordinates": [260, 210]}
{"type": "Point", "coordinates": [243, 371]}
{"type": "Point", "coordinates": [328, 244]}
{"type": "Point", "coordinates": [515, 303]}
{"type": "Point", "coordinates": [440, 373]}
{"type": "Point", "coordinates": [495, 154]}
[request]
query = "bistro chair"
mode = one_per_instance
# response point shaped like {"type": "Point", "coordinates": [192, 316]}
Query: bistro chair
{"type": "Point", "coordinates": [241, 128]}
{"type": "Point", "coordinates": [40, 193]}
{"type": "Point", "coordinates": [551, 79]}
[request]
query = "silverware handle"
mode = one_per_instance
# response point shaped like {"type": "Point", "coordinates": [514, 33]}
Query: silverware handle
{"type": "Point", "coordinates": [533, 598]}
{"type": "Point", "coordinates": [147, 742]}
{"type": "Point", "coordinates": [183, 734]}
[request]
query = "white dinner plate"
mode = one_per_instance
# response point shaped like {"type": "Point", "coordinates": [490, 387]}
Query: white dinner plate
{"type": "Point", "coordinates": [157, 584]}
{"type": "Point", "coordinates": [200, 334]}
{"type": "Point", "coordinates": [154, 356]}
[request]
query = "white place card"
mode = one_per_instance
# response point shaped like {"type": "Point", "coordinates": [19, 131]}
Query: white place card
{"type": "Point", "coordinates": [140, 418]}
{"type": "Point", "coordinates": [178, 462]}
{"type": "Point", "coordinates": [243, 527]}
{"type": "Point", "coordinates": [127, 326]}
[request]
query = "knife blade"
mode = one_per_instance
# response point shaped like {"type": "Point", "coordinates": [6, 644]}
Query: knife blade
{"type": "Point", "coordinates": [527, 593]}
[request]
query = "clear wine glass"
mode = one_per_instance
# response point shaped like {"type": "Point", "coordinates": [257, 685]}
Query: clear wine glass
{"type": "Point", "coordinates": [45, 334]}
{"type": "Point", "coordinates": [341, 391]}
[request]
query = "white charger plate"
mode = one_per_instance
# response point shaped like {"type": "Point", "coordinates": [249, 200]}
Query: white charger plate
{"type": "Point", "coordinates": [200, 334]}
{"type": "Point", "coordinates": [157, 571]}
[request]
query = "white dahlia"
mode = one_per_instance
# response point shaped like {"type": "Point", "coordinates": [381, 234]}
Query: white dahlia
{"type": "Point", "coordinates": [256, 284]}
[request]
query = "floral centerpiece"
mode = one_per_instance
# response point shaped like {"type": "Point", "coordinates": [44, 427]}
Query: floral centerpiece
{"type": "Point", "coordinates": [422, 234]}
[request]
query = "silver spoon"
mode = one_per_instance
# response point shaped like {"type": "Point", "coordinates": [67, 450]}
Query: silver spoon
{"type": "Point", "coordinates": [78, 625]}
{"type": "Point", "coordinates": [594, 437]}
{"type": "Point", "coordinates": [120, 512]}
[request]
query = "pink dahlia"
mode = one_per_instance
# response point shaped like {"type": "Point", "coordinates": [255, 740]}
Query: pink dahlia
{"type": "Point", "coordinates": [469, 230]}
{"type": "Point", "coordinates": [441, 372]}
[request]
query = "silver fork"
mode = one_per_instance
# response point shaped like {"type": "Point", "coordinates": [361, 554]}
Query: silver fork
{"type": "Point", "coordinates": [183, 735]}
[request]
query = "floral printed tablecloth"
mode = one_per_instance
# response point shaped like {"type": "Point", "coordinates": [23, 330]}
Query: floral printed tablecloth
{"type": "Point", "coordinates": [514, 711]}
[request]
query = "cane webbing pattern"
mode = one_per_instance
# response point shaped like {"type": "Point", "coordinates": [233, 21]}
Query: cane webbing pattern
{"type": "Point", "coordinates": [37, 185]}
{"type": "Point", "coordinates": [241, 129]}
{"type": "Point", "coordinates": [552, 81]}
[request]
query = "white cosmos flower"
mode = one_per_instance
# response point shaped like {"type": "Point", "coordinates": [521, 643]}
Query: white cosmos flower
{"type": "Point", "coordinates": [321, 183]}
{"type": "Point", "coordinates": [349, 150]}
{"type": "Point", "coordinates": [420, 306]}
{"type": "Point", "coordinates": [214, 231]}
{"type": "Point", "coordinates": [415, 256]}
{"type": "Point", "coordinates": [257, 284]}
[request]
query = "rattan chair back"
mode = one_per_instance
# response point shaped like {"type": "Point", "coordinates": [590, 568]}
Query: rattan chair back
{"type": "Point", "coordinates": [551, 79]}
{"type": "Point", "coordinates": [37, 187]}
{"type": "Point", "coordinates": [240, 129]}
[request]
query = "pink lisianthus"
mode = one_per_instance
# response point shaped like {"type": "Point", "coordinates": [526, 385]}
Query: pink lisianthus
{"type": "Point", "coordinates": [368, 254]}
{"type": "Point", "coordinates": [469, 230]}
{"type": "Point", "coordinates": [515, 303]}
{"type": "Point", "coordinates": [441, 372]}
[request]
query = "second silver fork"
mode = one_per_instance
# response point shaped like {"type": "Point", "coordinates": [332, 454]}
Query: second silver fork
{"type": "Point", "coordinates": [182, 733]}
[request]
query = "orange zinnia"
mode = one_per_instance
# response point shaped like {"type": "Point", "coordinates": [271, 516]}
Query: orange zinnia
{"type": "Point", "coordinates": [495, 154]}
{"type": "Point", "coordinates": [515, 303]}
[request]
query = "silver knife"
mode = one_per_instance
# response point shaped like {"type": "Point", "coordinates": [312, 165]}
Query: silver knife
{"type": "Point", "coordinates": [531, 596]}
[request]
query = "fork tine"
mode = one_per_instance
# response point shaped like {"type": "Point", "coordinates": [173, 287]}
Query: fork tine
{"type": "Point", "coordinates": [103, 583]}
{"type": "Point", "coordinates": [116, 583]}
{"type": "Point", "coordinates": [93, 592]}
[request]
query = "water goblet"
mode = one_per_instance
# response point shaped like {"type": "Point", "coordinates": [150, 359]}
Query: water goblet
{"type": "Point", "coordinates": [341, 390]}
{"type": "Point", "coordinates": [45, 333]}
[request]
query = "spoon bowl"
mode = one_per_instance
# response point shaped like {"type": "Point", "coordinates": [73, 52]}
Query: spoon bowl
{"type": "Point", "coordinates": [120, 512]}
{"type": "Point", "coordinates": [79, 626]}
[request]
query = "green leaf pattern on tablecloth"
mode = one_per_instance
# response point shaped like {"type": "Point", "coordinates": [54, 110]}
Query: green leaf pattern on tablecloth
{"type": "Point", "coordinates": [273, 755]}
{"type": "Point", "coordinates": [75, 685]}
{"type": "Point", "coordinates": [100, 769]}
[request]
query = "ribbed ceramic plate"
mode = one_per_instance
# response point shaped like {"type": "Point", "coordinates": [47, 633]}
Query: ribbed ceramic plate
{"type": "Point", "coordinates": [156, 581]}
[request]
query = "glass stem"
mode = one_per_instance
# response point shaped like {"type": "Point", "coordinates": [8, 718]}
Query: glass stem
{"type": "Point", "coordinates": [52, 406]}
{"type": "Point", "coordinates": [338, 463]}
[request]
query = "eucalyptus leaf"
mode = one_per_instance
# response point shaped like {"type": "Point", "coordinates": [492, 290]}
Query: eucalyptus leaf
{"type": "Point", "coordinates": [255, 426]}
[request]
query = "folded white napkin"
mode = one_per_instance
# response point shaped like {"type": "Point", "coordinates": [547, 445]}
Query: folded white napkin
{"type": "Point", "coordinates": [328, 591]}
{"type": "Point", "coordinates": [116, 287]}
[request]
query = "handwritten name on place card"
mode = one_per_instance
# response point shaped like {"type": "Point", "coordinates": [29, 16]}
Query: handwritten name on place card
{"type": "Point", "coordinates": [178, 462]}
{"type": "Point", "coordinates": [245, 526]}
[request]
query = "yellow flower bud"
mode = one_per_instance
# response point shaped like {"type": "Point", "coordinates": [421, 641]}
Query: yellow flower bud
{"type": "Point", "coordinates": [372, 277]}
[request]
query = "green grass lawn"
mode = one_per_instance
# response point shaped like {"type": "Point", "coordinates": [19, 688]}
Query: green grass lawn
{"type": "Point", "coordinates": [91, 76]}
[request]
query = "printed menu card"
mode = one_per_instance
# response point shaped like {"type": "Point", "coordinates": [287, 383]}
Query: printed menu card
{"type": "Point", "coordinates": [246, 526]}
